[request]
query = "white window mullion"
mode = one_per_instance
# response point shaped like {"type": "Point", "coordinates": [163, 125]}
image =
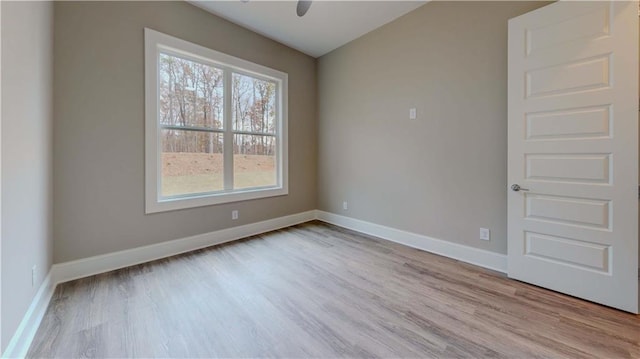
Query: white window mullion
{"type": "Point", "coordinates": [228, 130]}
{"type": "Point", "coordinates": [279, 133]}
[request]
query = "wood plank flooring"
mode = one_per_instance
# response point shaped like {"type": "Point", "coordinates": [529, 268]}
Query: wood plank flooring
{"type": "Point", "coordinates": [316, 290]}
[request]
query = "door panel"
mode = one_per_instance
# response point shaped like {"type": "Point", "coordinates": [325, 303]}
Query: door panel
{"type": "Point", "coordinates": [592, 23]}
{"type": "Point", "coordinates": [585, 168]}
{"type": "Point", "coordinates": [568, 77]}
{"type": "Point", "coordinates": [588, 255]}
{"type": "Point", "coordinates": [573, 144]}
{"type": "Point", "coordinates": [568, 211]}
{"type": "Point", "coordinates": [578, 123]}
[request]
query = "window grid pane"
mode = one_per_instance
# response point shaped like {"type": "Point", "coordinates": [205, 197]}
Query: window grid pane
{"type": "Point", "coordinates": [192, 162]}
{"type": "Point", "coordinates": [190, 93]}
{"type": "Point", "coordinates": [254, 104]}
{"type": "Point", "coordinates": [254, 161]}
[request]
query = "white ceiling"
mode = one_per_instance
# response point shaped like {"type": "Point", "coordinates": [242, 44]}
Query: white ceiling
{"type": "Point", "coordinates": [326, 26]}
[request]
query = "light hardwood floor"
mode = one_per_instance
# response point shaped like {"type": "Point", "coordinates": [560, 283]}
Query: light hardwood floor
{"type": "Point", "coordinates": [315, 290]}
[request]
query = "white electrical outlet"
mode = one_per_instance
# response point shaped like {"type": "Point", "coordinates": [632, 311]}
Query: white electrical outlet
{"type": "Point", "coordinates": [485, 234]}
{"type": "Point", "coordinates": [345, 205]}
{"type": "Point", "coordinates": [234, 214]}
{"type": "Point", "coordinates": [33, 275]}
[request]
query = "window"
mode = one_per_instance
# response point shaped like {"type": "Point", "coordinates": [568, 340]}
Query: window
{"type": "Point", "coordinates": [216, 126]}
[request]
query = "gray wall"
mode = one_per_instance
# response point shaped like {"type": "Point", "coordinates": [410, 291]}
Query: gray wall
{"type": "Point", "coordinates": [443, 175]}
{"type": "Point", "coordinates": [99, 96]}
{"type": "Point", "coordinates": [27, 47]}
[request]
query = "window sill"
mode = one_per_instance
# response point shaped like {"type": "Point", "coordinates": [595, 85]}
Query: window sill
{"type": "Point", "coordinates": [154, 205]}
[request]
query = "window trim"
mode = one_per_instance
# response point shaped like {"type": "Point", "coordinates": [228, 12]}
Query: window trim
{"type": "Point", "coordinates": [155, 42]}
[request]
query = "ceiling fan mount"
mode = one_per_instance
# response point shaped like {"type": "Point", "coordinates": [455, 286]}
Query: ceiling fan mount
{"type": "Point", "coordinates": [302, 7]}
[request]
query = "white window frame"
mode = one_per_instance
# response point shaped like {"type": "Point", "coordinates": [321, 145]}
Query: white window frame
{"type": "Point", "coordinates": [156, 42]}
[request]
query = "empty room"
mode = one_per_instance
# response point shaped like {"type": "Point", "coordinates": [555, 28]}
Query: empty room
{"type": "Point", "coordinates": [319, 179]}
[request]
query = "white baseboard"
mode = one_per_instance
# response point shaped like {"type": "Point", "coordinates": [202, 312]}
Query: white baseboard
{"type": "Point", "coordinates": [21, 341]}
{"type": "Point", "coordinates": [479, 257]}
{"type": "Point", "coordinates": [64, 272]}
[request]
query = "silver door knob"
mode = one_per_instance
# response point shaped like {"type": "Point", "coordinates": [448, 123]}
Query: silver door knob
{"type": "Point", "coordinates": [516, 188]}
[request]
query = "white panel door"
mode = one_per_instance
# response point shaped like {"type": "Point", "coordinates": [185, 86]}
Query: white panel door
{"type": "Point", "coordinates": [573, 150]}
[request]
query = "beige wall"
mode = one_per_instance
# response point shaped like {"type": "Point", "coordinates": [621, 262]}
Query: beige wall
{"type": "Point", "coordinates": [27, 47]}
{"type": "Point", "coordinates": [99, 97]}
{"type": "Point", "coordinates": [443, 175]}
